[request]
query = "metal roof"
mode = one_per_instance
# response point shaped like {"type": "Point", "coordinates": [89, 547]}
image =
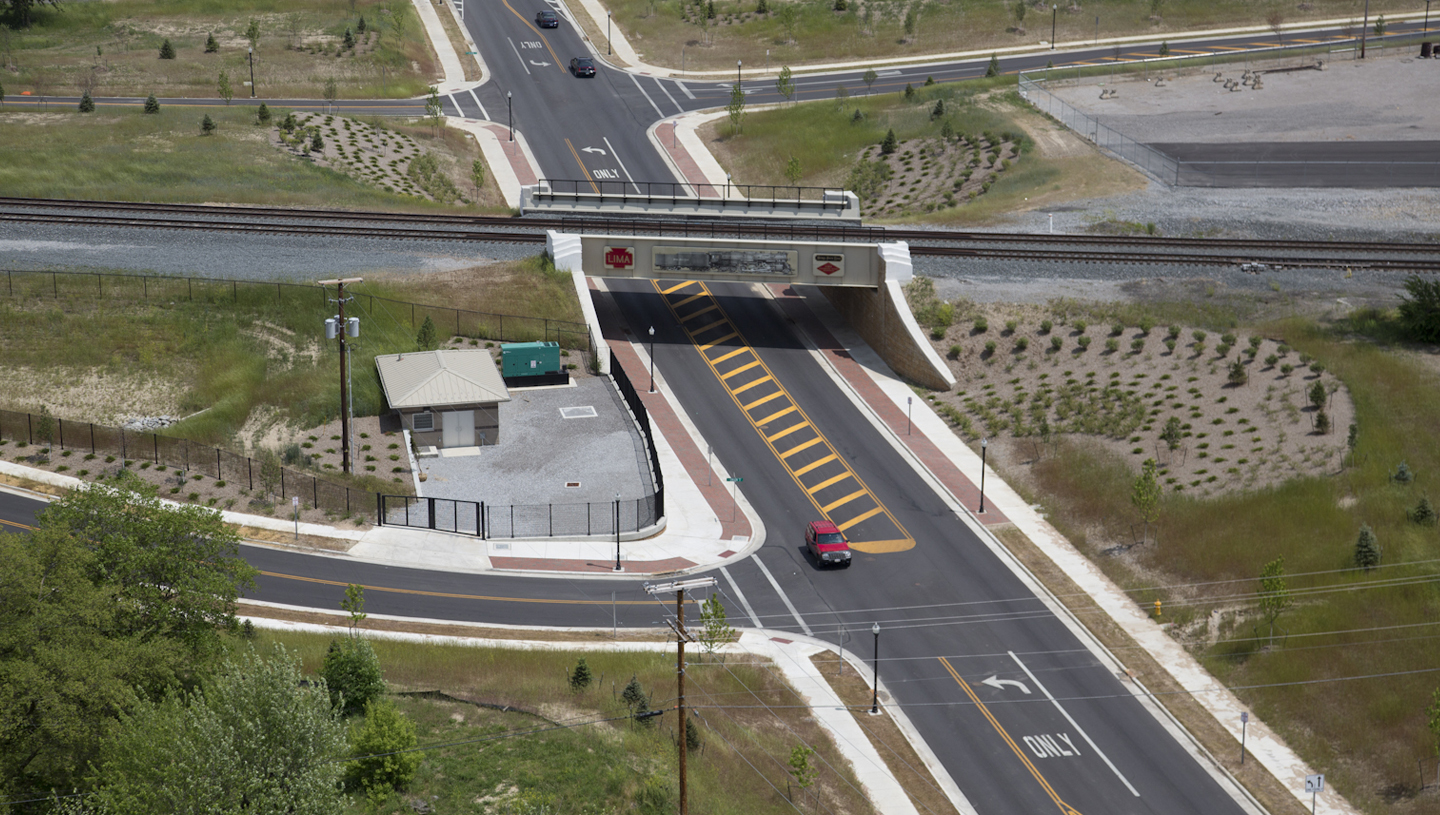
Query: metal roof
{"type": "Point", "coordinates": [439, 378]}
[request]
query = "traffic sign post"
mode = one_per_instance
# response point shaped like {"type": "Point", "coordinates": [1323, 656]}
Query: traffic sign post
{"type": "Point", "coordinates": [295, 510]}
{"type": "Point", "coordinates": [1314, 784]}
{"type": "Point", "coordinates": [734, 505]}
{"type": "Point", "coordinates": [1244, 719]}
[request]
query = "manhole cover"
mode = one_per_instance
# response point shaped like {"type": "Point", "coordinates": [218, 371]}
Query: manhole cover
{"type": "Point", "coordinates": [586, 412]}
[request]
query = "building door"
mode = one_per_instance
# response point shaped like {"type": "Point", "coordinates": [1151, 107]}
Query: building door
{"type": "Point", "coordinates": [457, 428]}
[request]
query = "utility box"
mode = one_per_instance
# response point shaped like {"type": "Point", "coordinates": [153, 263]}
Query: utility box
{"type": "Point", "coordinates": [532, 363]}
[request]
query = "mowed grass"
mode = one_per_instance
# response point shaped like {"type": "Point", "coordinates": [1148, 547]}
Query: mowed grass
{"type": "Point", "coordinates": [828, 140]}
{"type": "Point", "coordinates": [1366, 734]}
{"type": "Point", "coordinates": [123, 154]}
{"type": "Point", "coordinates": [593, 766]}
{"type": "Point", "coordinates": [298, 50]}
{"type": "Point", "coordinates": [241, 347]}
{"type": "Point", "coordinates": [823, 35]}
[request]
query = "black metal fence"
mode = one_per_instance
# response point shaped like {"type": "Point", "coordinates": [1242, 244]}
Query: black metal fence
{"type": "Point", "coordinates": [130, 446]}
{"type": "Point", "coordinates": [540, 520]}
{"type": "Point", "coordinates": [675, 191]}
{"type": "Point", "coordinates": [483, 325]}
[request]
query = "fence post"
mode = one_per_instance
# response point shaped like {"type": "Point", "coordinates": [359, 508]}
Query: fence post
{"type": "Point", "coordinates": [29, 434]}
{"type": "Point", "coordinates": [92, 438]}
{"type": "Point", "coordinates": [250, 471]}
{"type": "Point", "coordinates": [482, 520]}
{"type": "Point", "coordinates": [315, 492]}
{"type": "Point", "coordinates": [155, 438]}
{"type": "Point", "coordinates": [379, 509]}
{"type": "Point", "coordinates": [217, 463]}
{"type": "Point", "coordinates": [430, 508]}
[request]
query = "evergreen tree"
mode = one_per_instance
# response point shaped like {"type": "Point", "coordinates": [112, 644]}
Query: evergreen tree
{"type": "Point", "coordinates": [1367, 549]}
{"type": "Point", "coordinates": [349, 41]}
{"type": "Point", "coordinates": [152, 105]}
{"type": "Point", "coordinates": [207, 125]}
{"type": "Point", "coordinates": [891, 144]}
{"type": "Point", "coordinates": [87, 105]}
{"type": "Point", "coordinates": [939, 109]}
{"type": "Point", "coordinates": [317, 144]}
{"type": "Point", "coordinates": [1238, 375]}
{"type": "Point", "coordinates": [360, 26]}
{"type": "Point", "coordinates": [167, 51]}
{"type": "Point", "coordinates": [1424, 513]}
{"type": "Point", "coordinates": [1164, 49]}
{"type": "Point", "coordinates": [909, 92]}
{"type": "Point", "coordinates": [580, 678]}
{"type": "Point", "coordinates": [993, 69]}
{"type": "Point", "coordinates": [1317, 395]}
{"type": "Point", "coordinates": [210, 45]}
{"type": "Point", "coordinates": [692, 735]}
{"type": "Point", "coordinates": [427, 339]}
{"type": "Point", "coordinates": [1403, 474]}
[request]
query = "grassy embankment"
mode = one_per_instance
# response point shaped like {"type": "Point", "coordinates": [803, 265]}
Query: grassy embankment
{"type": "Point", "coordinates": [829, 142]}
{"type": "Point", "coordinates": [820, 34]}
{"type": "Point", "coordinates": [240, 348]}
{"type": "Point", "coordinates": [123, 154]}
{"type": "Point", "coordinates": [604, 767]}
{"type": "Point", "coordinates": [300, 47]}
{"type": "Point", "coordinates": [1346, 624]}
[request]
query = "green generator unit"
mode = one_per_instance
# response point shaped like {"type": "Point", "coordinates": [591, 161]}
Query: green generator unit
{"type": "Point", "coordinates": [532, 363]}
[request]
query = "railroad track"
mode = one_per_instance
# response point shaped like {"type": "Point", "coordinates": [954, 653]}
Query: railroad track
{"type": "Point", "coordinates": [1068, 248]}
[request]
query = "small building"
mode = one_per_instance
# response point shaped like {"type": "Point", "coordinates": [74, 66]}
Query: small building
{"type": "Point", "coordinates": [448, 398]}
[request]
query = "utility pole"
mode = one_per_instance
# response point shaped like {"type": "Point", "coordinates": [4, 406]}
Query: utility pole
{"type": "Point", "coordinates": [338, 330]}
{"type": "Point", "coordinates": [682, 636]}
{"type": "Point", "coordinates": [1364, 25]}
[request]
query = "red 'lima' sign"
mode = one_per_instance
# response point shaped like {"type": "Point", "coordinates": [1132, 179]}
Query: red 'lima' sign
{"type": "Point", "coordinates": [619, 257]}
{"type": "Point", "coordinates": [827, 268]}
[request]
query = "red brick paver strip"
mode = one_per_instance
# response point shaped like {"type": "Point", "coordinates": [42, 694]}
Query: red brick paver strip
{"type": "Point", "coordinates": [890, 413]}
{"type": "Point", "coordinates": [524, 173]}
{"type": "Point", "coordinates": [665, 133]}
{"type": "Point", "coordinates": [664, 419]}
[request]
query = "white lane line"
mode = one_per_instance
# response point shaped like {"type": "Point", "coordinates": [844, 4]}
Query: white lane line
{"type": "Point", "coordinates": [786, 600]}
{"type": "Point", "coordinates": [646, 95]}
{"type": "Point", "coordinates": [517, 55]}
{"type": "Point", "coordinates": [483, 114]}
{"type": "Point", "coordinates": [459, 111]}
{"type": "Point", "coordinates": [616, 155]}
{"type": "Point", "coordinates": [740, 595]}
{"type": "Point", "coordinates": [683, 89]}
{"type": "Point", "coordinates": [1077, 727]}
{"type": "Point", "coordinates": [668, 96]}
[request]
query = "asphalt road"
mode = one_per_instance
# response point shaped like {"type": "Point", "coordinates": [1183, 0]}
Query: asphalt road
{"type": "Point", "coordinates": [1307, 164]}
{"type": "Point", "coordinates": [1052, 727]}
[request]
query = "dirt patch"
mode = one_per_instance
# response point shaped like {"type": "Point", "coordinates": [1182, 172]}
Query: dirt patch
{"type": "Point", "coordinates": [97, 395]}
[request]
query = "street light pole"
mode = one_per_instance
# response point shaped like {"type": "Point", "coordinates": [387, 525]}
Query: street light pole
{"type": "Point", "coordinates": [1427, 16]}
{"type": "Point", "coordinates": [607, 33]}
{"type": "Point", "coordinates": [1363, 26]}
{"type": "Point", "coordinates": [875, 693]}
{"type": "Point", "coordinates": [510, 108]}
{"type": "Point", "coordinates": [908, 401]}
{"type": "Point", "coordinates": [737, 71]}
{"type": "Point", "coordinates": [618, 567]}
{"type": "Point", "coordinates": [1054, 9]}
{"type": "Point", "coordinates": [252, 72]}
{"type": "Point", "coordinates": [984, 446]}
{"type": "Point", "coordinates": [652, 359]}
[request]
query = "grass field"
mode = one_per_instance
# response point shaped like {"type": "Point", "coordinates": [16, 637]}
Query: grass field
{"type": "Point", "coordinates": [829, 141]}
{"type": "Point", "coordinates": [609, 765]}
{"type": "Point", "coordinates": [876, 29]}
{"type": "Point", "coordinates": [1307, 681]}
{"type": "Point", "coordinates": [123, 154]}
{"type": "Point", "coordinates": [113, 49]}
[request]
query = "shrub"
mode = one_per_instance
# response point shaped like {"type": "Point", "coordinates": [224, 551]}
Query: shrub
{"type": "Point", "coordinates": [1080, 326]}
{"type": "Point", "coordinates": [262, 115]}
{"type": "Point", "coordinates": [989, 347]}
{"type": "Point", "coordinates": [1198, 336]}
{"type": "Point", "coordinates": [954, 352]}
{"type": "Point", "coordinates": [167, 51]}
{"type": "Point", "coordinates": [1367, 549]}
{"type": "Point", "coordinates": [352, 673]}
{"type": "Point", "coordinates": [1022, 343]}
{"type": "Point", "coordinates": [1271, 361]}
{"type": "Point", "coordinates": [211, 46]}
{"type": "Point", "coordinates": [1424, 513]}
{"type": "Point", "coordinates": [1403, 474]}
{"type": "Point", "coordinates": [1010, 326]}
{"type": "Point", "coordinates": [1146, 323]}
{"type": "Point", "coordinates": [1316, 368]}
{"type": "Point", "coordinates": [1112, 345]}
{"type": "Point", "coordinates": [1117, 329]}
{"type": "Point", "coordinates": [1238, 375]}
{"type": "Point", "coordinates": [1317, 395]}
{"type": "Point", "coordinates": [1420, 309]}
{"type": "Point", "coordinates": [1287, 369]}
{"type": "Point", "coordinates": [981, 325]}
{"type": "Point", "coordinates": [580, 678]}
{"type": "Point", "coordinates": [1045, 326]}
{"type": "Point", "coordinates": [87, 105]}
{"type": "Point", "coordinates": [1227, 338]}
{"type": "Point", "coordinates": [207, 125]}
{"type": "Point", "coordinates": [1056, 343]}
{"type": "Point", "coordinates": [1170, 345]}
{"type": "Point", "coordinates": [1173, 332]}
{"type": "Point", "coordinates": [1137, 345]}
{"type": "Point", "coordinates": [1322, 423]}
{"type": "Point", "coordinates": [381, 762]}
{"type": "Point", "coordinates": [890, 144]}
{"type": "Point", "coordinates": [1084, 342]}
{"type": "Point", "coordinates": [152, 105]}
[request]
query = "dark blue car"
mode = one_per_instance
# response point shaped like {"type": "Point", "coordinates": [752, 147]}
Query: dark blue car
{"type": "Point", "coordinates": [582, 66]}
{"type": "Point", "coordinates": [547, 19]}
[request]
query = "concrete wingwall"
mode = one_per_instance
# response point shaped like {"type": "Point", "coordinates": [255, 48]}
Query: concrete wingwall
{"type": "Point", "coordinates": [881, 316]}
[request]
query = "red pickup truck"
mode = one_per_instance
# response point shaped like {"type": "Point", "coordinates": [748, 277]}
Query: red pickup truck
{"type": "Point", "coordinates": [827, 544]}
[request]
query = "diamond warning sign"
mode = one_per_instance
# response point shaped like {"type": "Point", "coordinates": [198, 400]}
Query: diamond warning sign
{"type": "Point", "coordinates": [829, 265]}
{"type": "Point", "coordinates": [619, 257]}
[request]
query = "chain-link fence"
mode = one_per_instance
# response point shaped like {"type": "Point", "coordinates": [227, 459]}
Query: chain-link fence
{"type": "Point", "coordinates": [1156, 164]}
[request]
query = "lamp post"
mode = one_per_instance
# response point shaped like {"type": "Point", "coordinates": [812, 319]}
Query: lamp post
{"type": "Point", "coordinates": [984, 445]}
{"type": "Point", "coordinates": [737, 72]}
{"type": "Point", "coordinates": [682, 60]}
{"type": "Point", "coordinates": [618, 567]}
{"type": "Point", "coordinates": [652, 359]}
{"type": "Point", "coordinates": [607, 33]}
{"type": "Point", "coordinates": [252, 72]}
{"type": "Point", "coordinates": [1364, 25]}
{"type": "Point", "coordinates": [1054, 9]}
{"type": "Point", "coordinates": [908, 401]}
{"type": "Point", "coordinates": [510, 108]}
{"type": "Point", "coordinates": [875, 694]}
{"type": "Point", "coordinates": [1427, 16]}
{"type": "Point", "coordinates": [1244, 720]}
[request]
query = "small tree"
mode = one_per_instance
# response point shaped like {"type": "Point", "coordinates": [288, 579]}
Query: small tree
{"type": "Point", "coordinates": [360, 26]}
{"type": "Point", "coordinates": [1164, 48]}
{"type": "Point", "coordinates": [1322, 422]}
{"type": "Point", "coordinates": [1420, 309]}
{"type": "Point", "coordinates": [1145, 495]}
{"type": "Point", "coordinates": [1155, 6]}
{"type": "Point", "coordinates": [332, 92]}
{"type": "Point", "coordinates": [1353, 438]}
{"type": "Point", "coordinates": [912, 21]}
{"type": "Point", "coordinates": [870, 77]}
{"type": "Point", "coordinates": [909, 92]}
{"type": "Point", "coordinates": [842, 95]}
{"type": "Point", "coordinates": [993, 69]}
{"type": "Point", "coordinates": [1018, 11]}
{"type": "Point", "coordinates": [382, 751]}
{"type": "Point", "coordinates": [793, 171]}
{"type": "Point", "coordinates": [800, 767]}
{"type": "Point", "coordinates": [87, 105]}
{"type": "Point", "coordinates": [1172, 434]}
{"type": "Point", "coordinates": [789, 17]}
{"type": "Point", "coordinates": [1403, 474]}
{"type": "Point", "coordinates": [426, 339]}
{"type": "Point", "coordinates": [692, 735]}
{"type": "Point", "coordinates": [207, 125]}
{"type": "Point", "coordinates": [211, 46]}
{"type": "Point", "coordinates": [1317, 395]}
{"type": "Point", "coordinates": [252, 32]}
{"type": "Point", "coordinates": [352, 673]}
{"type": "Point", "coordinates": [736, 108]}
{"type": "Point", "coordinates": [580, 678]}
{"type": "Point", "coordinates": [1238, 375]}
{"type": "Point", "coordinates": [477, 175]}
{"type": "Point", "coordinates": [45, 426]}
{"type": "Point", "coordinates": [1424, 513]}
{"type": "Point", "coordinates": [262, 115]}
{"type": "Point", "coordinates": [715, 630]}
{"type": "Point", "coordinates": [784, 85]}
{"type": "Point", "coordinates": [1380, 26]}
{"type": "Point", "coordinates": [167, 51]}
{"type": "Point", "coordinates": [349, 41]}
{"type": "Point", "coordinates": [317, 143]}
{"type": "Point", "coordinates": [354, 605]}
{"type": "Point", "coordinates": [1274, 593]}
{"type": "Point", "coordinates": [638, 702]}
{"type": "Point", "coordinates": [890, 144]}
{"type": "Point", "coordinates": [152, 105]}
{"type": "Point", "coordinates": [1367, 549]}
{"type": "Point", "coordinates": [223, 86]}
{"type": "Point", "coordinates": [433, 110]}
